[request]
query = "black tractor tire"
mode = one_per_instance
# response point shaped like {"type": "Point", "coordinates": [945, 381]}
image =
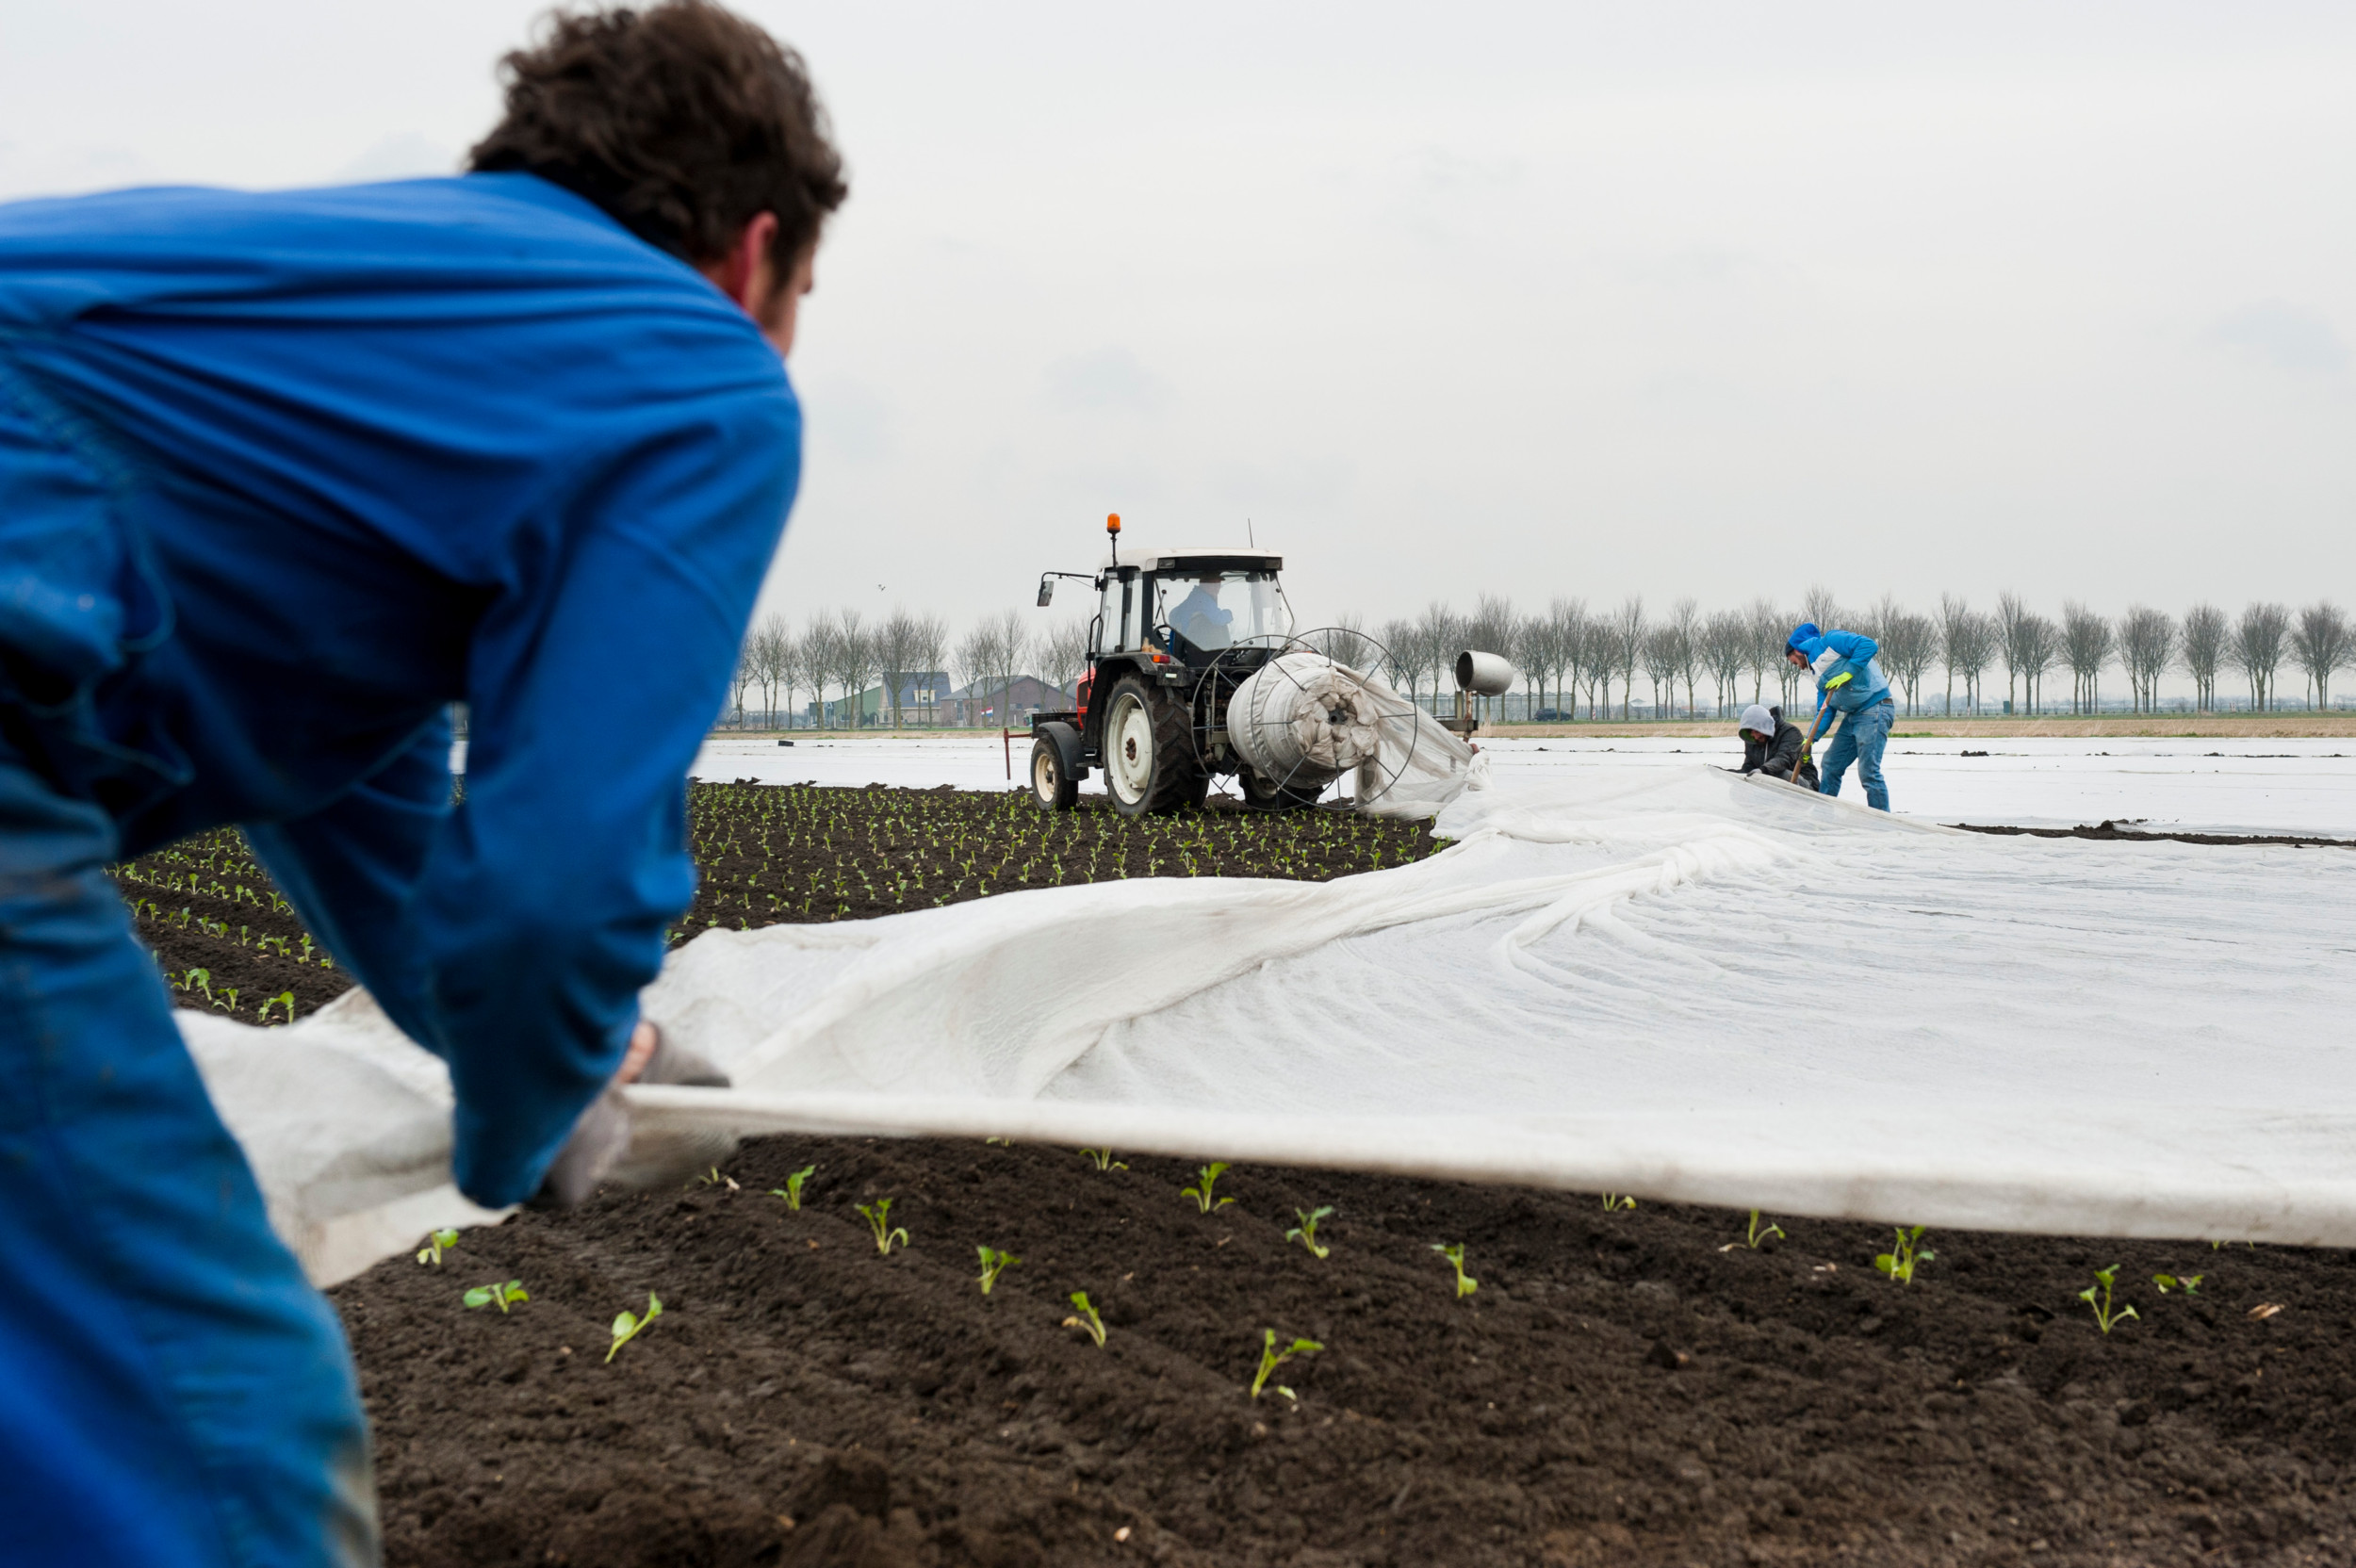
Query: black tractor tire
{"type": "Point", "coordinates": [1052, 788]}
{"type": "Point", "coordinates": [1149, 761]}
{"type": "Point", "coordinates": [1264, 794]}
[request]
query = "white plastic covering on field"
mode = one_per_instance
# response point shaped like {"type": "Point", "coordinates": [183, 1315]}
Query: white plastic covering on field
{"type": "Point", "coordinates": [1678, 984]}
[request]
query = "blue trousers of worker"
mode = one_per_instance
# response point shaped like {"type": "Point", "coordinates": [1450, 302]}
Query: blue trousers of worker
{"type": "Point", "coordinates": [1862, 736]}
{"type": "Point", "coordinates": [173, 1394]}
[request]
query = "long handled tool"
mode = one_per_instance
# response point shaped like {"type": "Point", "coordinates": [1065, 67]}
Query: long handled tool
{"type": "Point", "coordinates": [1839, 715]}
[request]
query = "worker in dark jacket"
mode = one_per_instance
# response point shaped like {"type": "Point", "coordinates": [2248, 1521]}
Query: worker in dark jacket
{"type": "Point", "coordinates": [1774, 748]}
{"type": "Point", "coordinates": [282, 475]}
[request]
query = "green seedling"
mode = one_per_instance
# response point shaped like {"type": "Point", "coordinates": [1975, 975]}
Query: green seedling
{"type": "Point", "coordinates": [1103, 1158]}
{"type": "Point", "coordinates": [198, 979]}
{"type": "Point", "coordinates": [283, 1000]}
{"type": "Point", "coordinates": [791, 1191]}
{"type": "Point", "coordinates": [1307, 1231]}
{"type": "Point", "coordinates": [2188, 1283]}
{"type": "Point", "coordinates": [2104, 1314]}
{"type": "Point", "coordinates": [878, 1216]}
{"type": "Point", "coordinates": [1760, 1233]}
{"type": "Point", "coordinates": [1466, 1284]}
{"type": "Point", "coordinates": [712, 1178]}
{"type": "Point", "coordinates": [1612, 1201]}
{"type": "Point", "coordinates": [435, 1244]}
{"type": "Point", "coordinates": [1904, 1254]}
{"type": "Point", "coordinates": [627, 1325]}
{"type": "Point", "coordinates": [1086, 1321]}
{"type": "Point", "coordinates": [502, 1297]}
{"type": "Point", "coordinates": [994, 1263]}
{"type": "Point", "coordinates": [1207, 1175]}
{"type": "Point", "coordinates": [1271, 1358]}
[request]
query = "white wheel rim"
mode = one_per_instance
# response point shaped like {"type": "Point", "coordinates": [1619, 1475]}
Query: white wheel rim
{"type": "Point", "coordinates": [1129, 761]}
{"type": "Point", "coordinates": [1044, 777]}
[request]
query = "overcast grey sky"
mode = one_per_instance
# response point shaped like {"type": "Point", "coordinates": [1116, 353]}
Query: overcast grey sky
{"type": "Point", "coordinates": [1705, 299]}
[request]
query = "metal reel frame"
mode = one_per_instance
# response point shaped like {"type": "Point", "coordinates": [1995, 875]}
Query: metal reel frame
{"type": "Point", "coordinates": [1218, 680]}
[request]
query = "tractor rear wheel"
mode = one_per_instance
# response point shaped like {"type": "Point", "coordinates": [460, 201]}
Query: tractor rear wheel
{"type": "Point", "coordinates": [1150, 764]}
{"type": "Point", "coordinates": [1052, 788]}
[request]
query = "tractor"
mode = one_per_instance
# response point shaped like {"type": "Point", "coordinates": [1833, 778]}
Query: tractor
{"type": "Point", "coordinates": [1175, 633]}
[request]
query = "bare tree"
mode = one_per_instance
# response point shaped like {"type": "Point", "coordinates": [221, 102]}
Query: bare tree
{"type": "Point", "coordinates": [2260, 638]}
{"type": "Point", "coordinates": [2206, 633]}
{"type": "Point", "coordinates": [1769, 629]}
{"type": "Point", "coordinates": [1954, 619]}
{"type": "Point", "coordinates": [819, 660]}
{"type": "Point", "coordinates": [1661, 657]}
{"type": "Point", "coordinates": [1725, 643]}
{"type": "Point", "coordinates": [896, 652]}
{"type": "Point", "coordinates": [746, 673]}
{"type": "Point", "coordinates": [2012, 622]}
{"type": "Point", "coordinates": [1346, 642]}
{"type": "Point", "coordinates": [978, 661]}
{"type": "Point", "coordinates": [2040, 644]}
{"type": "Point", "coordinates": [2321, 644]}
{"type": "Point", "coordinates": [1534, 654]}
{"type": "Point", "coordinates": [1819, 606]}
{"type": "Point", "coordinates": [1443, 638]}
{"type": "Point", "coordinates": [1012, 644]}
{"type": "Point", "coordinates": [2087, 645]}
{"type": "Point", "coordinates": [1569, 620]}
{"type": "Point", "coordinates": [854, 661]}
{"type": "Point", "coordinates": [1909, 644]}
{"type": "Point", "coordinates": [2146, 644]}
{"type": "Point", "coordinates": [1627, 647]}
{"type": "Point", "coordinates": [1063, 653]}
{"type": "Point", "coordinates": [930, 653]}
{"type": "Point", "coordinates": [1402, 655]}
{"type": "Point", "coordinates": [1979, 642]}
{"type": "Point", "coordinates": [1493, 628]}
{"type": "Point", "coordinates": [1685, 642]}
{"type": "Point", "coordinates": [1601, 642]}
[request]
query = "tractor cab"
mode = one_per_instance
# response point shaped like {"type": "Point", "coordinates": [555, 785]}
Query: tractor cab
{"type": "Point", "coordinates": [1174, 633]}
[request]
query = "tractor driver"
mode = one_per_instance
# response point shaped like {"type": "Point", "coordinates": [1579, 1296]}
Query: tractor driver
{"type": "Point", "coordinates": [1200, 619]}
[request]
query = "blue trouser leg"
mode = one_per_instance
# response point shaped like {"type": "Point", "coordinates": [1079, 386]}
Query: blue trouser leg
{"type": "Point", "coordinates": [1863, 734]}
{"type": "Point", "coordinates": [173, 1394]}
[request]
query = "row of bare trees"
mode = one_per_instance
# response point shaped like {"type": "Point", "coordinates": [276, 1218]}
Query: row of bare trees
{"type": "Point", "coordinates": [899, 658]}
{"type": "Point", "coordinates": [1570, 655]}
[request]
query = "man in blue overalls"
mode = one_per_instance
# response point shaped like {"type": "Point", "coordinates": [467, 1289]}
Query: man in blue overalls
{"type": "Point", "coordinates": [1849, 682]}
{"type": "Point", "coordinates": [281, 476]}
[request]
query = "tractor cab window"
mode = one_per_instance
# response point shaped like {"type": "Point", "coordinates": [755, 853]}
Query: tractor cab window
{"type": "Point", "coordinates": [1120, 608]}
{"type": "Point", "coordinates": [1221, 610]}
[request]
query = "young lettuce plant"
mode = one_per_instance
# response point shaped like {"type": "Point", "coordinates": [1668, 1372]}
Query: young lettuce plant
{"type": "Point", "coordinates": [1103, 1158]}
{"type": "Point", "coordinates": [627, 1326]}
{"type": "Point", "coordinates": [1087, 1321]}
{"type": "Point", "coordinates": [1307, 1231]}
{"type": "Point", "coordinates": [1271, 1358]}
{"type": "Point", "coordinates": [2104, 1314]}
{"type": "Point", "coordinates": [1466, 1284]}
{"type": "Point", "coordinates": [435, 1244]}
{"type": "Point", "coordinates": [1612, 1201]}
{"type": "Point", "coordinates": [994, 1263]}
{"type": "Point", "coordinates": [879, 1215]}
{"type": "Point", "coordinates": [1207, 1175]}
{"type": "Point", "coordinates": [501, 1296]}
{"type": "Point", "coordinates": [1905, 1254]}
{"type": "Point", "coordinates": [791, 1191]}
{"type": "Point", "coordinates": [1759, 1232]}
{"type": "Point", "coordinates": [2188, 1283]}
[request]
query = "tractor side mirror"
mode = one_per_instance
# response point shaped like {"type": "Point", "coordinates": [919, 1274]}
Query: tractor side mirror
{"type": "Point", "coordinates": [1046, 591]}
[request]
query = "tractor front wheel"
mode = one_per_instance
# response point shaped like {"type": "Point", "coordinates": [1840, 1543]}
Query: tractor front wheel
{"type": "Point", "coordinates": [1150, 764]}
{"type": "Point", "coordinates": [1052, 788]}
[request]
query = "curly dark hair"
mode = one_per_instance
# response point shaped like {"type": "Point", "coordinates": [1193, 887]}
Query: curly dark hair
{"type": "Point", "coordinates": [683, 120]}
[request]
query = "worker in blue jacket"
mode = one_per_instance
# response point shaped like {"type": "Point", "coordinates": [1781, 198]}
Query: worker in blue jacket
{"type": "Point", "coordinates": [1849, 682]}
{"type": "Point", "coordinates": [282, 476]}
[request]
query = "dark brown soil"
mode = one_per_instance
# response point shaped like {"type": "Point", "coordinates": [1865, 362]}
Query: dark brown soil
{"type": "Point", "coordinates": [2112, 832]}
{"type": "Point", "coordinates": [769, 855]}
{"type": "Point", "coordinates": [1625, 1387]}
{"type": "Point", "coordinates": [772, 855]}
{"type": "Point", "coordinates": [1632, 1387]}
